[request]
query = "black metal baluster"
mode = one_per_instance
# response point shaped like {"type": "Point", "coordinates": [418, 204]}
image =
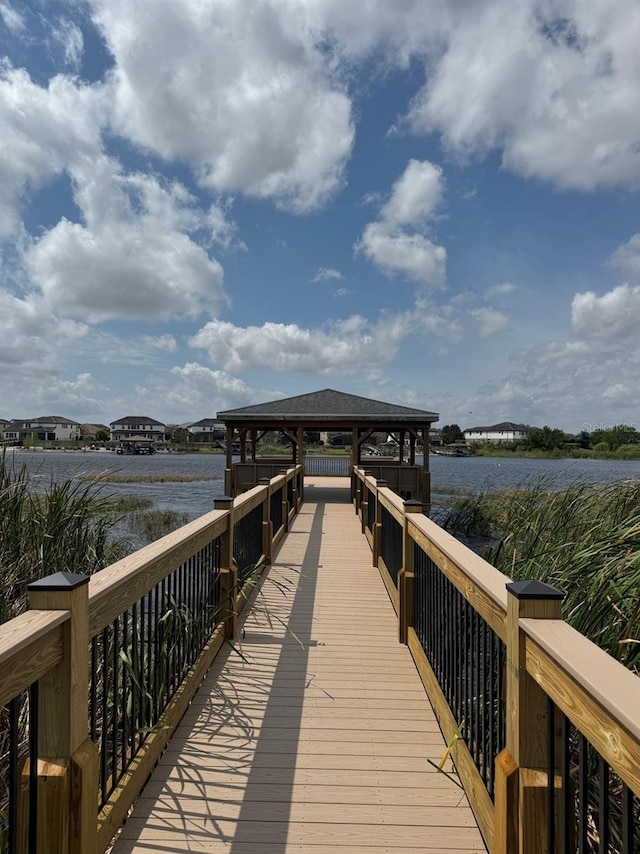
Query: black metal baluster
{"type": "Point", "coordinates": [105, 708]}
{"type": "Point", "coordinates": [114, 712]}
{"type": "Point", "coordinates": [551, 776]}
{"type": "Point", "coordinates": [603, 806]}
{"type": "Point", "coordinates": [567, 808]}
{"type": "Point", "coordinates": [476, 692]}
{"type": "Point", "coordinates": [491, 709]}
{"type": "Point", "coordinates": [583, 839]}
{"type": "Point", "coordinates": [34, 750]}
{"type": "Point", "coordinates": [627, 820]}
{"type": "Point", "coordinates": [12, 818]}
{"type": "Point", "coordinates": [135, 666]}
{"type": "Point", "coordinates": [125, 692]}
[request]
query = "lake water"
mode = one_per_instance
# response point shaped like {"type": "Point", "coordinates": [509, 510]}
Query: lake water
{"type": "Point", "coordinates": [196, 497]}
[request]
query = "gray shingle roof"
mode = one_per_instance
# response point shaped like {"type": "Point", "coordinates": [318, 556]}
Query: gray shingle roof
{"type": "Point", "coordinates": [137, 419]}
{"type": "Point", "coordinates": [327, 404]}
{"type": "Point", "coordinates": [503, 425]}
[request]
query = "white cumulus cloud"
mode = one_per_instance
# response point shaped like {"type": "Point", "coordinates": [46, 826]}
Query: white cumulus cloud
{"type": "Point", "coordinates": [613, 316]}
{"type": "Point", "coordinates": [346, 345]}
{"type": "Point", "coordinates": [395, 242]}
{"type": "Point", "coordinates": [43, 130]}
{"type": "Point", "coordinates": [489, 321]}
{"type": "Point", "coordinates": [133, 258]}
{"type": "Point", "coordinates": [553, 85]}
{"type": "Point", "coordinates": [239, 91]}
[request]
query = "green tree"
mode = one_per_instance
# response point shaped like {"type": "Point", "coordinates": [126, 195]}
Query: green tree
{"type": "Point", "coordinates": [451, 433]}
{"type": "Point", "coordinates": [544, 439]}
{"type": "Point", "coordinates": [614, 437]}
{"type": "Point", "coordinates": [179, 435]}
{"type": "Point", "coordinates": [103, 435]}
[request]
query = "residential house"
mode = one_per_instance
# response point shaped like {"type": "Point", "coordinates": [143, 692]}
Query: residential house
{"type": "Point", "coordinates": [137, 427]}
{"type": "Point", "coordinates": [207, 430]}
{"type": "Point", "coordinates": [90, 431]}
{"type": "Point", "coordinates": [48, 428]}
{"type": "Point", "coordinates": [505, 431]}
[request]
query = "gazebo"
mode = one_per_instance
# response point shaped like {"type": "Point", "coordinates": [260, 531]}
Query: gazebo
{"type": "Point", "coordinates": [329, 410]}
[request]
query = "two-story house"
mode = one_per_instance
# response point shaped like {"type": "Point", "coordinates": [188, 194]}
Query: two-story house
{"type": "Point", "coordinates": [47, 428]}
{"type": "Point", "coordinates": [207, 430]}
{"type": "Point", "coordinates": [505, 431]}
{"type": "Point", "coordinates": [137, 427]}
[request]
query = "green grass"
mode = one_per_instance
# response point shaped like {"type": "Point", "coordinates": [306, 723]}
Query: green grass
{"type": "Point", "coordinates": [67, 527]}
{"type": "Point", "coordinates": [158, 477]}
{"type": "Point", "coordinates": [584, 540]}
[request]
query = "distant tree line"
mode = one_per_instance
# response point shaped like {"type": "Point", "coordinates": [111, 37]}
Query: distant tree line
{"type": "Point", "coordinates": [618, 438]}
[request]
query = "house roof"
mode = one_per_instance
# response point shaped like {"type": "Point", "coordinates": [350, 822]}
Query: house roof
{"type": "Point", "coordinates": [55, 419]}
{"type": "Point", "coordinates": [93, 428]}
{"type": "Point", "coordinates": [328, 406]}
{"type": "Point", "coordinates": [136, 419]}
{"type": "Point", "coordinates": [503, 425]}
{"type": "Point", "coordinates": [206, 422]}
{"type": "Point", "coordinates": [18, 423]}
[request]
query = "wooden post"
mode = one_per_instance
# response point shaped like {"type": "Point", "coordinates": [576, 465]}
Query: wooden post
{"type": "Point", "coordinates": [505, 839]}
{"type": "Point", "coordinates": [364, 503]}
{"type": "Point", "coordinates": [405, 576]}
{"type": "Point", "coordinates": [355, 448]}
{"type": "Point", "coordinates": [68, 759]}
{"type": "Point", "coordinates": [285, 503]}
{"type": "Point", "coordinates": [228, 571]}
{"type": "Point", "coordinates": [301, 462]}
{"type": "Point", "coordinates": [267, 527]}
{"type": "Point", "coordinates": [426, 476]}
{"type": "Point", "coordinates": [527, 717]}
{"type": "Point", "coordinates": [228, 472]}
{"type": "Point", "coordinates": [377, 528]}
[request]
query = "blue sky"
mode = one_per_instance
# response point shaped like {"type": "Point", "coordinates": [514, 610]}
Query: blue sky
{"type": "Point", "coordinates": [209, 203]}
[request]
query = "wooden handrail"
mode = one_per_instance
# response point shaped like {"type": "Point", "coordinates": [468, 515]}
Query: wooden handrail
{"type": "Point", "coordinates": [40, 642]}
{"type": "Point", "coordinates": [392, 503]}
{"type": "Point", "coordinates": [115, 588]}
{"type": "Point", "coordinates": [597, 693]}
{"type": "Point", "coordinates": [481, 584]}
{"type": "Point", "coordinates": [30, 646]}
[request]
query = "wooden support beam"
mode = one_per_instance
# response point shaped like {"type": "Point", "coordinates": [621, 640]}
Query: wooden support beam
{"type": "Point", "coordinates": [527, 716]}
{"type": "Point", "coordinates": [267, 526]}
{"type": "Point", "coordinates": [405, 576]}
{"type": "Point", "coordinates": [68, 761]}
{"type": "Point", "coordinates": [228, 571]}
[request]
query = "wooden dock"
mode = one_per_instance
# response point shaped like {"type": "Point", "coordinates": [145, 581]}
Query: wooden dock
{"type": "Point", "coordinates": [314, 735]}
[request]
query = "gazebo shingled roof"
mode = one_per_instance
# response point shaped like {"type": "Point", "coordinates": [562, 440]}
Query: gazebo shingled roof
{"type": "Point", "coordinates": [328, 407]}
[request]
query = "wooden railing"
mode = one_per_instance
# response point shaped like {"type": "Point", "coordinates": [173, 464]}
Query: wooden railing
{"type": "Point", "coordinates": [96, 676]}
{"type": "Point", "coordinates": [543, 726]}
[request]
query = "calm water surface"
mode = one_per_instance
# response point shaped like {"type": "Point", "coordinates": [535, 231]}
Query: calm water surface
{"type": "Point", "coordinates": [196, 497]}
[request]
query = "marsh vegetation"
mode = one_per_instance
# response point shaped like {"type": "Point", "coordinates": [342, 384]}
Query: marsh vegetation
{"type": "Point", "coordinates": [583, 539]}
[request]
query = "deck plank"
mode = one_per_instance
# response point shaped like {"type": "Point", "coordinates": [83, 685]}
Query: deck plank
{"type": "Point", "coordinates": [319, 737]}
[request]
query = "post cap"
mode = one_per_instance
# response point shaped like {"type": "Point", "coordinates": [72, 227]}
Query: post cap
{"type": "Point", "coordinates": [59, 581]}
{"type": "Point", "coordinates": [381, 482]}
{"type": "Point", "coordinates": [412, 505]}
{"type": "Point", "coordinates": [265, 480]}
{"type": "Point", "coordinates": [222, 502]}
{"type": "Point", "coordinates": [534, 589]}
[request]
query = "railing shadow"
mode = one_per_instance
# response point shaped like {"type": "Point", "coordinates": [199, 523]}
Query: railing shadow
{"type": "Point", "coordinates": [230, 770]}
{"type": "Point", "coordinates": [272, 771]}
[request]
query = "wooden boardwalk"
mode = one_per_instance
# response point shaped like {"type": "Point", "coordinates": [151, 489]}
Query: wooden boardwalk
{"type": "Point", "coordinates": [316, 738]}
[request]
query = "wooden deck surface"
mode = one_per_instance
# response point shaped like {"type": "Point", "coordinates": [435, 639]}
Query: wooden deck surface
{"type": "Point", "coordinates": [316, 738]}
